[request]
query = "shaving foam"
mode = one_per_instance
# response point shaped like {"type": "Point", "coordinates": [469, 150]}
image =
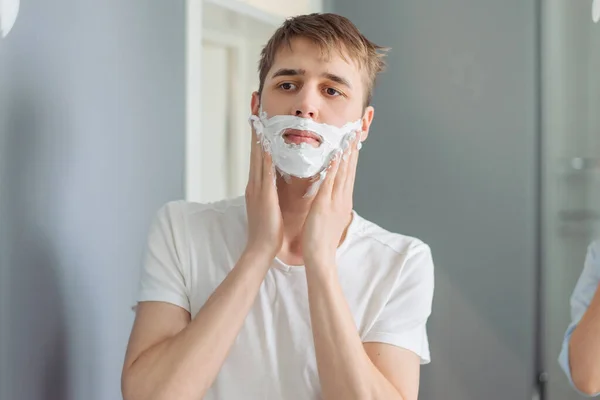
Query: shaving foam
{"type": "Point", "coordinates": [302, 160]}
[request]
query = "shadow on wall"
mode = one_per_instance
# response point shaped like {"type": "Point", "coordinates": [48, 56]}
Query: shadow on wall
{"type": "Point", "coordinates": [37, 334]}
{"type": "Point", "coordinates": [92, 151]}
{"type": "Point", "coordinates": [42, 355]}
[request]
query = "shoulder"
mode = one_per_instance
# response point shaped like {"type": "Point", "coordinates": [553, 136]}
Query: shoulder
{"type": "Point", "coordinates": [588, 280]}
{"type": "Point", "coordinates": [397, 243]}
{"type": "Point", "coordinates": [181, 214]}
{"type": "Point", "coordinates": [401, 251]}
{"type": "Point", "coordinates": [594, 252]}
{"type": "Point", "coordinates": [591, 269]}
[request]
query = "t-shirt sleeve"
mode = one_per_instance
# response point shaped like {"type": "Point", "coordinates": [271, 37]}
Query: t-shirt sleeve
{"type": "Point", "coordinates": [580, 300]}
{"type": "Point", "coordinates": [163, 276]}
{"type": "Point", "coordinates": [403, 320]}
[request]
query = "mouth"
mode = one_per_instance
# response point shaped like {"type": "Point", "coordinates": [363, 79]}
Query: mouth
{"type": "Point", "coordinates": [295, 136]}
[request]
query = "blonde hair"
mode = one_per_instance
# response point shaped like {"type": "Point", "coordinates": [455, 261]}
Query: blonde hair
{"type": "Point", "coordinates": [331, 32]}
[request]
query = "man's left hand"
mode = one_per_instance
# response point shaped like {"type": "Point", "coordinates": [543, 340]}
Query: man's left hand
{"type": "Point", "coordinates": [331, 210]}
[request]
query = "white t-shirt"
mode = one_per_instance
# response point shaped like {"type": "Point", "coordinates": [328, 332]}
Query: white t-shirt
{"type": "Point", "coordinates": [387, 280]}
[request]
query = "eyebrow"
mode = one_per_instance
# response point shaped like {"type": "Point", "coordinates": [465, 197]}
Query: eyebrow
{"type": "Point", "coordinates": [289, 72]}
{"type": "Point", "coordinates": [337, 79]}
{"type": "Point", "coordinates": [300, 72]}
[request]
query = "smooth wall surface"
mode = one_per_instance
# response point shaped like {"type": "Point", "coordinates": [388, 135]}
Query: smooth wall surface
{"type": "Point", "coordinates": [92, 127]}
{"type": "Point", "coordinates": [452, 159]}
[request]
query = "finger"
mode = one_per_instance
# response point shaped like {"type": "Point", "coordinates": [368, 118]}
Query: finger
{"type": "Point", "coordinates": [268, 170]}
{"type": "Point", "coordinates": [255, 171]}
{"type": "Point", "coordinates": [326, 187]}
{"type": "Point", "coordinates": [352, 166]}
{"type": "Point", "coordinates": [340, 178]}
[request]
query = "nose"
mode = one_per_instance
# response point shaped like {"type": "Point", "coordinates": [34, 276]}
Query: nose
{"type": "Point", "coordinates": [306, 104]}
{"type": "Point", "coordinates": [309, 114]}
{"type": "Point", "coordinates": [305, 114]}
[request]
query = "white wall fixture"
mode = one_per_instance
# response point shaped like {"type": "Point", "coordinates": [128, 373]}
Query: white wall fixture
{"type": "Point", "coordinates": [596, 10]}
{"type": "Point", "coordinates": [9, 9]}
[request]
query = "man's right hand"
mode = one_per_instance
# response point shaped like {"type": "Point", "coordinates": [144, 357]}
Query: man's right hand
{"type": "Point", "coordinates": [265, 223]}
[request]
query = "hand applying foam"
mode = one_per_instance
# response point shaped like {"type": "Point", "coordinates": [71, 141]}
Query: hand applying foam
{"type": "Point", "coordinates": [331, 210]}
{"type": "Point", "coordinates": [265, 223]}
{"type": "Point", "coordinates": [596, 10]}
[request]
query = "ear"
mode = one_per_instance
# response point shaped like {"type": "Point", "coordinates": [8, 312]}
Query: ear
{"type": "Point", "coordinates": [255, 103]}
{"type": "Point", "coordinates": [367, 119]}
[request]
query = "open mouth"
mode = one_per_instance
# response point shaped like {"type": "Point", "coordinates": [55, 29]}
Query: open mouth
{"type": "Point", "coordinates": [295, 136]}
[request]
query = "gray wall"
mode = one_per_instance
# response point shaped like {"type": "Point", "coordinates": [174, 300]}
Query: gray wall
{"type": "Point", "coordinates": [452, 159]}
{"type": "Point", "coordinates": [91, 144]}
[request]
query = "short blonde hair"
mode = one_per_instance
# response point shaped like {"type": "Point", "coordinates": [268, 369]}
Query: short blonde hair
{"type": "Point", "coordinates": [331, 32]}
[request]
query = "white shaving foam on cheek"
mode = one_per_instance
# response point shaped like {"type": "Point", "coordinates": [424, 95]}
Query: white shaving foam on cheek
{"type": "Point", "coordinates": [304, 160]}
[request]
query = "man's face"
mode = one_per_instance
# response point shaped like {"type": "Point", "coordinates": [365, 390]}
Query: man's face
{"type": "Point", "coordinates": [302, 83]}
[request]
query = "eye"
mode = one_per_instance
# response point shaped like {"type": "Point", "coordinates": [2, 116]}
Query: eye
{"type": "Point", "coordinates": [287, 86]}
{"type": "Point", "coordinates": [332, 92]}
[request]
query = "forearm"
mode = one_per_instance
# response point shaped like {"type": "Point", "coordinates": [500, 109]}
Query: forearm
{"type": "Point", "coordinates": [584, 349]}
{"type": "Point", "coordinates": [345, 369]}
{"type": "Point", "coordinates": [185, 366]}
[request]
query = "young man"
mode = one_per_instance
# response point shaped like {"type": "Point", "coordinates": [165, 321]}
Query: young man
{"type": "Point", "coordinates": [287, 293]}
{"type": "Point", "coordinates": [580, 355]}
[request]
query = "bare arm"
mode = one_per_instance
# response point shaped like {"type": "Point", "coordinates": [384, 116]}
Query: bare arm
{"type": "Point", "coordinates": [170, 357]}
{"type": "Point", "coordinates": [347, 369]}
{"type": "Point", "coordinates": [585, 350]}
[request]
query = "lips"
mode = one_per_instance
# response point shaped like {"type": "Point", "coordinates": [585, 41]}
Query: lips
{"type": "Point", "coordinates": [297, 137]}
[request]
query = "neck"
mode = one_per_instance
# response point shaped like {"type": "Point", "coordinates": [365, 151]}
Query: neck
{"type": "Point", "coordinates": [294, 210]}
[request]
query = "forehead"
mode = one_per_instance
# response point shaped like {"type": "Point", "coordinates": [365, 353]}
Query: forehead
{"type": "Point", "coordinates": [304, 54]}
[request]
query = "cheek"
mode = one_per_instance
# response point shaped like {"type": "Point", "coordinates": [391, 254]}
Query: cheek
{"type": "Point", "coordinates": [275, 104]}
{"type": "Point", "coordinates": [266, 103]}
{"type": "Point", "coordinates": [342, 112]}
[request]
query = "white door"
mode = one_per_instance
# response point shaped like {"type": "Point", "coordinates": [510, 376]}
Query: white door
{"type": "Point", "coordinates": [221, 76]}
{"type": "Point", "coordinates": [214, 170]}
